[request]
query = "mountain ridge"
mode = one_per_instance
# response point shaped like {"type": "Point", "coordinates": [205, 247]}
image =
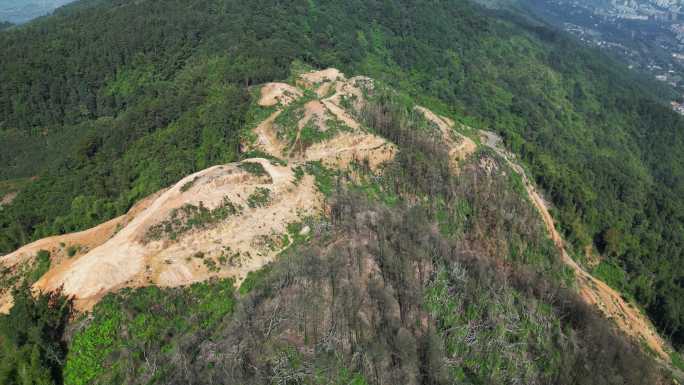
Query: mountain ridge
{"type": "Point", "coordinates": [170, 266]}
{"type": "Point", "coordinates": [104, 267]}
{"type": "Point", "coordinates": [472, 267]}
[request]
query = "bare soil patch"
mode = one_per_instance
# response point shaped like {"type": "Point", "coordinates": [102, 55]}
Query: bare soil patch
{"type": "Point", "coordinates": [460, 146]}
{"type": "Point", "coordinates": [273, 94]}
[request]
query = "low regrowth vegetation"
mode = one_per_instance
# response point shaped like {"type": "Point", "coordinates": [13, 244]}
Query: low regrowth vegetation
{"type": "Point", "coordinates": [136, 336]}
{"type": "Point", "coordinates": [261, 197]}
{"type": "Point", "coordinates": [424, 278]}
{"type": "Point", "coordinates": [253, 168]}
{"type": "Point", "coordinates": [189, 217]}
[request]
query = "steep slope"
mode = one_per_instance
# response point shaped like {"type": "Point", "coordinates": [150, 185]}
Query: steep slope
{"type": "Point", "coordinates": [297, 226]}
{"type": "Point", "coordinates": [595, 292]}
{"type": "Point", "coordinates": [15, 263]}
{"type": "Point", "coordinates": [225, 221]}
{"type": "Point", "coordinates": [107, 108]}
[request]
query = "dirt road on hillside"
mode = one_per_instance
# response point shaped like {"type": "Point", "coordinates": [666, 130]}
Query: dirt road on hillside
{"type": "Point", "coordinates": [627, 318]}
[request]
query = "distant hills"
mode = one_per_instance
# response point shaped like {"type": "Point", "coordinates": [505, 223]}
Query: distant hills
{"type": "Point", "coordinates": [21, 11]}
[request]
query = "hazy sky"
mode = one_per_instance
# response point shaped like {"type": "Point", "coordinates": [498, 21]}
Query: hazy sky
{"type": "Point", "coordinates": [19, 11]}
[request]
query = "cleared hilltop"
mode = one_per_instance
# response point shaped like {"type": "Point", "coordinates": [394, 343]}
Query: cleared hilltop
{"type": "Point", "coordinates": [232, 220]}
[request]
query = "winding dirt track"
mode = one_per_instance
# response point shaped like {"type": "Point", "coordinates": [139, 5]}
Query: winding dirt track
{"type": "Point", "coordinates": [594, 291]}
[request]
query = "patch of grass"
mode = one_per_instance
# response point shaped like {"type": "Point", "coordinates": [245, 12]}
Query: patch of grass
{"type": "Point", "coordinates": [211, 265]}
{"type": "Point", "coordinates": [294, 231]}
{"type": "Point", "coordinates": [261, 154]}
{"type": "Point", "coordinates": [7, 279]}
{"type": "Point", "coordinates": [287, 123]}
{"type": "Point", "coordinates": [375, 187]}
{"type": "Point", "coordinates": [460, 313]}
{"type": "Point", "coordinates": [612, 274]}
{"type": "Point", "coordinates": [325, 177]}
{"type": "Point", "coordinates": [73, 250]}
{"type": "Point", "coordinates": [231, 258]}
{"type": "Point", "coordinates": [28, 272]}
{"type": "Point", "coordinates": [311, 134]}
{"type": "Point", "coordinates": [298, 174]}
{"type": "Point", "coordinates": [677, 360]}
{"type": "Point", "coordinates": [259, 114]}
{"type": "Point", "coordinates": [274, 241]}
{"type": "Point", "coordinates": [92, 347]}
{"type": "Point", "coordinates": [254, 116]}
{"type": "Point", "coordinates": [298, 68]}
{"type": "Point", "coordinates": [145, 322]}
{"type": "Point", "coordinates": [253, 168]}
{"type": "Point", "coordinates": [256, 113]}
{"type": "Point", "coordinates": [41, 266]}
{"type": "Point", "coordinates": [516, 182]}
{"type": "Point", "coordinates": [189, 217]}
{"type": "Point", "coordinates": [254, 279]}
{"type": "Point", "coordinates": [188, 185]}
{"type": "Point", "coordinates": [261, 197]}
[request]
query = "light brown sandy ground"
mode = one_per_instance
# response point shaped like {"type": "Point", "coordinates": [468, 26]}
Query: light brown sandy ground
{"type": "Point", "coordinates": [273, 94]}
{"type": "Point", "coordinates": [57, 245]}
{"type": "Point", "coordinates": [627, 318]}
{"type": "Point", "coordinates": [8, 198]}
{"type": "Point", "coordinates": [341, 150]}
{"type": "Point", "coordinates": [320, 81]}
{"type": "Point", "coordinates": [460, 146]}
{"type": "Point", "coordinates": [126, 260]}
{"type": "Point", "coordinates": [116, 254]}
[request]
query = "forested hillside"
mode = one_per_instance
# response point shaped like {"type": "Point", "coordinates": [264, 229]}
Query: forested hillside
{"type": "Point", "coordinates": [109, 101]}
{"type": "Point", "coordinates": [427, 264]}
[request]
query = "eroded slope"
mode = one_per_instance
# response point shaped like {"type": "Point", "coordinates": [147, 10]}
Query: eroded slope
{"type": "Point", "coordinates": [227, 220]}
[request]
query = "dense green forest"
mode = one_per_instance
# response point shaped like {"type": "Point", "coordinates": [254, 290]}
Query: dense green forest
{"type": "Point", "coordinates": [108, 101]}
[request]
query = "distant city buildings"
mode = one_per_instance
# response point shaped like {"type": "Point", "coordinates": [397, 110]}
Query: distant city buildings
{"type": "Point", "coordinates": [645, 34]}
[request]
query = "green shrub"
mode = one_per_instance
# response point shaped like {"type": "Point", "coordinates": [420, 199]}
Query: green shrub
{"type": "Point", "coordinates": [188, 185]}
{"type": "Point", "coordinates": [253, 168]}
{"type": "Point", "coordinates": [677, 360]}
{"type": "Point", "coordinates": [135, 326]}
{"type": "Point", "coordinates": [189, 217]}
{"type": "Point", "coordinates": [254, 279]}
{"type": "Point", "coordinates": [261, 197]}
{"type": "Point", "coordinates": [612, 274]}
{"type": "Point", "coordinates": [325, 177]}
{"type": "Point", "coordinates": [261, 154]}
{"type": "Point", "coordinates": [298, 174]}
{"type": "Point", "coordinates": [72, 250]}
{"type": "Point", "coordinates": [42, 265]}
{"type": "Point", "coordinates": [31, 338]}
{"type": "Point", "coordinates": [211, 265]}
